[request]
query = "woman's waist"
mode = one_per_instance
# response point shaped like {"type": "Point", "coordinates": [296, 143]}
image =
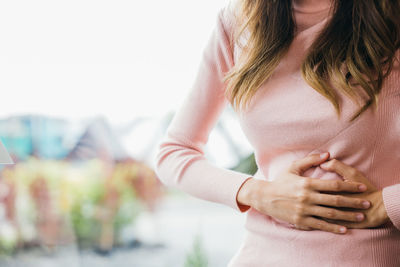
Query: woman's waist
{"type": "Point", "coordinates": [373, 243]}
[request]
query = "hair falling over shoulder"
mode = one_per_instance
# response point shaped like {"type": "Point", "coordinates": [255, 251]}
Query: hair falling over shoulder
{"type": "Point", "coordinates": [357, 47]}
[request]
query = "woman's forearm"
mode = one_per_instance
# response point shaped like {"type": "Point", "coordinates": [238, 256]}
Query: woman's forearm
{"type": "Point", "coordinates": [391, 200]}
{"type": "Point", "coordinates": [246, 191]}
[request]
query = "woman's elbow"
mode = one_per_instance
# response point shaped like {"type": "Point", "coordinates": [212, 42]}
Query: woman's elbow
{"type": "Point", "coordinates": [161, 169]}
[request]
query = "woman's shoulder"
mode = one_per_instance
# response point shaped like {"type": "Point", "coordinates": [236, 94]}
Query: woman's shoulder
{"type": "Point", "coordinates": [391, 85]}
{"type": "Point", "coordinates": [229, 13]}
{"type": "Point", "coordinates": [231, 20]}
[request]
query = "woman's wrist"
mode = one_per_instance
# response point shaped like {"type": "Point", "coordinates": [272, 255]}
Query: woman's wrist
{"type": "Point", "coordinates": [245, 193]}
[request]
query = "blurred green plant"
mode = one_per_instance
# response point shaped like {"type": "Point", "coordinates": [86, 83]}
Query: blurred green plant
{"type": "Point", "coordinates": [197, 256]}
{"type": "Point", "coordinates": [247, 165]}
{"type": "Point", "coordinates": [8, 240]}
{"type": "Point", "coordinates": [98, 198]}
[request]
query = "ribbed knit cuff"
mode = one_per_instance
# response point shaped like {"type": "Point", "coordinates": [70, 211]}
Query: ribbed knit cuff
{"type": "Point", "coordinates": [242, 208]}
{"type": "Point", "coordinates": [391, 200]}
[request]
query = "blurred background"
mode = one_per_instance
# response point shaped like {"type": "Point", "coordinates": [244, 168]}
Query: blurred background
{"type": "Point", "coordinates": [88, 90]}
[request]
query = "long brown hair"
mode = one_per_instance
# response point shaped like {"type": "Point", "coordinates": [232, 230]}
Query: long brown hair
{"type": "Point", "coordinates": [361, 38]}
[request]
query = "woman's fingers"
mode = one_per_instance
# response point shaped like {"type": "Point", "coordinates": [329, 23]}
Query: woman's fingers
{"type": "Point", "coordinates": [334, 214]}
{"type": "Point", "coordinates": [299, 201]}
{"type": "Point", "coordinates": [323, 225]}
{"type": "Point", "coordinates": [338, 201]}
{"type": "Point", "coordinates": [335, 185]}
{"type": "Point", "coordinates": [300, 165]}
{"type": "Point", "coordinates": [348, 172]}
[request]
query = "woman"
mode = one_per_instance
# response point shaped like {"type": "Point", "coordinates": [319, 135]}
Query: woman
{"type": "Point", "coordinates": [305, 77]}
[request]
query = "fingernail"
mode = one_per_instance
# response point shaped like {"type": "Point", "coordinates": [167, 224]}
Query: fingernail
{"type": "Point", "coordinates": [360, 217]}
{"type": "Point", "coordinates": [342, 229]}
{"type": "Point", "coordinates": [323, 155]}
{"type": "Point", "coordinates": [362, 187]}
{"type": "Point", "coordinates": [365, 204]}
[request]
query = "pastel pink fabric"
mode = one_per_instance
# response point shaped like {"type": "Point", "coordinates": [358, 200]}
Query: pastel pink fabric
{"type": "Point", "coordinates": [288, 120]}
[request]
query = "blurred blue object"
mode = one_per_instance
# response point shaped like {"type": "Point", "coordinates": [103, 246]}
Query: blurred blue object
{"type": "Point", "coordinates": [54, 138]}
{"type": "Point", "coordinates": [40, 136]}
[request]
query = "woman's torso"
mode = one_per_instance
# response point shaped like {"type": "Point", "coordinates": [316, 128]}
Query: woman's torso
{"type": "Point", "coordinates": [297, 121]}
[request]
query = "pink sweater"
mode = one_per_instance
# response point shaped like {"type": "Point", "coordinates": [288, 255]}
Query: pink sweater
{"type": "Point", "coordinates": [287, 120]}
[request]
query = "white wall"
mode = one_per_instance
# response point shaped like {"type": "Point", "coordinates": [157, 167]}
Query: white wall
{"type": "Point", "coordinates": [118, 58]}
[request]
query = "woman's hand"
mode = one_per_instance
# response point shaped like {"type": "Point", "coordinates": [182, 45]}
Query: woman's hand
{"type": "Point", "coordinates": [297, 199]}
{"type": "Point", "coordinates": [376, 215]}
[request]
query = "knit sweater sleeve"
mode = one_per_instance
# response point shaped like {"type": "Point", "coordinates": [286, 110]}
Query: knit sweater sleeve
{"type": "Point", "coordinates": [180, 161]}
{"type": "Point", "coordinates": [391, 200]}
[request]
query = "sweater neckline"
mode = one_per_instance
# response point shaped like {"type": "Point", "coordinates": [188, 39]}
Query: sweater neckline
{"type": "Point", "coordinates": [311, 9]}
